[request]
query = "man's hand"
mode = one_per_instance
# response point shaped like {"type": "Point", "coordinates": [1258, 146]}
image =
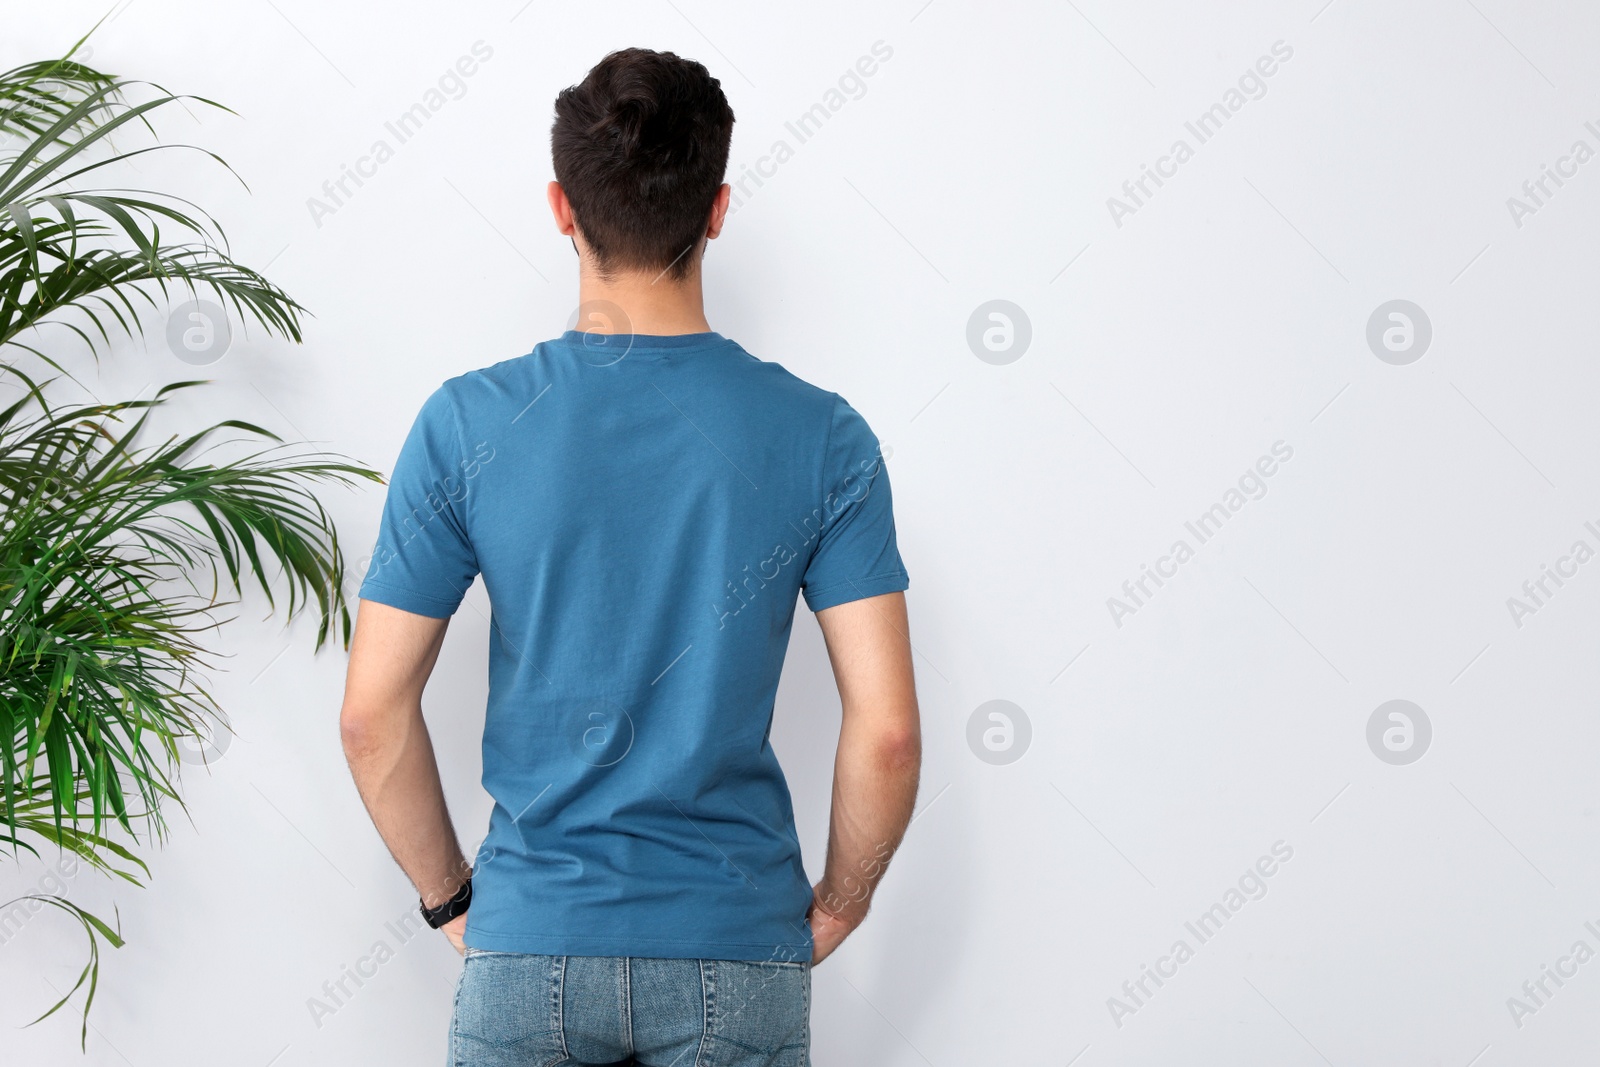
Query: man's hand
{"type": "Point", "coordinates": [455, 930]}
{"type": "Point", "coordinates": [828, 931]}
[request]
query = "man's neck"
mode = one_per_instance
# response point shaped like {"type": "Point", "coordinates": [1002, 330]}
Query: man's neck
{"type": "Point", "coordinates": [651, 303]}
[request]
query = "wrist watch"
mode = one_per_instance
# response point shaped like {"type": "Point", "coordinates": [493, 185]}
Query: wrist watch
{"type": "Point", "coordinates": [450, 909]}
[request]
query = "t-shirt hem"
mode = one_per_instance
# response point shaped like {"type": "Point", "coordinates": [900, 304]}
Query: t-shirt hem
{"type": "Point", "coordinates": [857, 589]}
{"type": "Point", "coordinates": [649, 948]}
{"type": "Point", "coordinates": [408, 600]}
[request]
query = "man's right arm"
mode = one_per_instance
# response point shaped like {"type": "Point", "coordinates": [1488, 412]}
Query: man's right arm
{"type": "Point", "coordinates": [878, 762]}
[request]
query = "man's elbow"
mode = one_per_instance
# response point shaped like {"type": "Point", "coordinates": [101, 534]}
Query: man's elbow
{"type": "Point", "coordinates": [898, 750]}
{"type": "Point", "coordinates": [361, 730]}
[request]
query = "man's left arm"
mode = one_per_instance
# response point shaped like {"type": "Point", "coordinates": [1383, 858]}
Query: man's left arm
{"type": "Point", "coordinates": [391, 756]}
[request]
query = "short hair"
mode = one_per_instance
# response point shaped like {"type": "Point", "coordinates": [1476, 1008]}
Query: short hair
{"type": "Point", "coordinates": [641, 146]}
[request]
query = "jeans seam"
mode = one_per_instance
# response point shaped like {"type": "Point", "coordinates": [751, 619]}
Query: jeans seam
{"type": "Point", "coordinates": [455, 1015]}
{"type": "Point", "coordinates": [627, 1003]}
{"type": "Point", "coordinates": [707, 988]}
{"type": "Point", "coordinates": [805, 1040]}
{"type": "Point", "coordinates": [559, 996]}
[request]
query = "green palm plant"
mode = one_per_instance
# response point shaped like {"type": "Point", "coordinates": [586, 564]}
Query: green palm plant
{"type": "Point", "coordinates": [119, 547]}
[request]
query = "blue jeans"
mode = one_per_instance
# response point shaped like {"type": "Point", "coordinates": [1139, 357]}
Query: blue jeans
{"type": "Point", "coordinates": [521, 1010]}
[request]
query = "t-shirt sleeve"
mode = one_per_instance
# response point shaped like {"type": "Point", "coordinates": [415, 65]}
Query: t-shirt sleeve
{"type": "Point", "coordinates": [855, 555]}
{"type": "Point", "coordinates": [424, 562]}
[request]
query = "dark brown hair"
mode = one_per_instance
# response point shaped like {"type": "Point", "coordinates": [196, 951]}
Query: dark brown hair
{"type": "Point", "coordinates": [640, 147]}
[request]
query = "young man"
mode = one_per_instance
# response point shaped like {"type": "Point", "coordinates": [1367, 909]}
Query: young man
{"type": "Point", "coordinates": [644, 501]}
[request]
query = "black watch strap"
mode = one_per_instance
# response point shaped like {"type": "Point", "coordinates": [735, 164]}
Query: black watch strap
{"type": "Point", "coordinates": [456, 905]}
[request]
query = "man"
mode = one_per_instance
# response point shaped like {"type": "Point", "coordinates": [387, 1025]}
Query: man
{"type": "Point", "coordinates": [644, 501]}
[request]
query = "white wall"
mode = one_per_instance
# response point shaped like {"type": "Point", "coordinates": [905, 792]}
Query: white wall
{"type": "Point", "coordinates": [1226, 313]}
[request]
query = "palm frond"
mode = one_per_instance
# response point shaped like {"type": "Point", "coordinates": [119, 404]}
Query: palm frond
{"type": "Point", "coordinates": [102, 618]}
{"type": "Point", "coordinates": [121, 549]}
{"type": "Point", "coordinates": [96, 930]}
{"type": "Point", "coordinates": [65, 258]}
{"type": "Point", "coordinates": [35, 95]}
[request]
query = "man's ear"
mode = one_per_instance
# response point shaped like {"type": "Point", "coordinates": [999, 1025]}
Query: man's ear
{"type": "Point", "coordinates": [719, 211]}
{"type": "Point", "coordinates": [561, 208]}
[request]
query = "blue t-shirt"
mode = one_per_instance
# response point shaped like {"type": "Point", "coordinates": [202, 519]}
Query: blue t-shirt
{"type": "Point", "coordinates": [644, 511]}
